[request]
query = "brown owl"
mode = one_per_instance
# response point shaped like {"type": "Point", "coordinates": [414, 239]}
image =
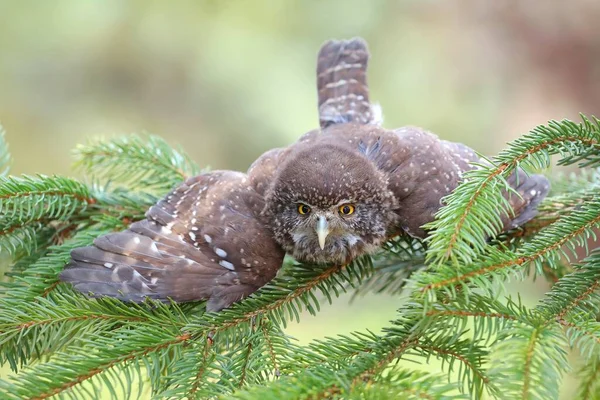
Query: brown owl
{"type": "Point", "coordinates": [337, 193]}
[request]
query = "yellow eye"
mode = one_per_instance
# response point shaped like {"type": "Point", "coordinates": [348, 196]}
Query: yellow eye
{"type": "Point", "coordinates": [303, 209]}
{"type": "Point", "coordinates": [346, 209]}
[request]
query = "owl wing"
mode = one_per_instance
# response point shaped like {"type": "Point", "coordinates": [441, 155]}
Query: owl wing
{"type": "Point", "coordinates": [204, 240]}
{"type": "Point", "coordinates": [422, 169]}
{"type": "Point", "coordinates": [431, 168]}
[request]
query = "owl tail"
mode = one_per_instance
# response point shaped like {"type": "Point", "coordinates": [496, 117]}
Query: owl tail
{"type": "Point", "coordinates": [342, 84]}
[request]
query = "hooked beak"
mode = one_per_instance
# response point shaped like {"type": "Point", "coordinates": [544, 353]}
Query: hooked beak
{"type": "Point", "coordinates": [322, 231]}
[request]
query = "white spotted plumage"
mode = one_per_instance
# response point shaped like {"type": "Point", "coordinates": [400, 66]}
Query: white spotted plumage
{"type": "Point", "coordinates": [222, 235]}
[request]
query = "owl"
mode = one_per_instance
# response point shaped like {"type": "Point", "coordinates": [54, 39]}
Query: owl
{"type": "Point", "coordinates": [339, 192]}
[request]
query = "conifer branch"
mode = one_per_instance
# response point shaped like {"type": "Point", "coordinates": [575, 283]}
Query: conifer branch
{"type": "Point", "coordinates": [201, 368]}
{"type": "Point", "coordinates": [402, 383]}
{"type": "Point", "coordinates": [452, 310]}
{"type": "Point", "coordinates": [576, 293]}
{"type": "Point", "coordinates": [28, 203]}
{"type": "Point", "coordinates": [366, 358]}
{"type": "Point", "coordinates": [589, 387]}
{"type": "Point", "coordinates": [571, 230]}
{"type": "Point", "coordinates": [579, 299]}
{"type": "Point", "coordinates": [528, 361]}
{"type": "Point", "coordinates": [527, 367]}
{"type": "Point", "coordinates": [467, 313]}
{"type": "Point", "coordinates": [473, 374]}
{"type": "Point", "coordinates": [566, 183]}
{"type": "Point", "coordinates": [324, 381]}
{"type": "Point", "coordinates": [43, 273]}
{"type": "Point", "coordinates": [137, 161]}
{"type": "Point", "coordinates": [270, 349]}
{"type": "Point", "coordinates": [391, 269]}
{"type": "Point", "coordinates": [583, 334]}
{"type": "Point", "coordinates": [551, 209]}
{"type": "Point", "coordinates": [459, 236]}
{"type": "Point", "coordinates": [55, 377]}
{"type": "Point", "coordinates": [50, 324]}
{"type": "Point", "coordinates": [288, 294]}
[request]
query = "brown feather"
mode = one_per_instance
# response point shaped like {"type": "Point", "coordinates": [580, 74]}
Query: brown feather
{"type": "Point", "coordinates": [220, 236]}
{"type": "Point", "coordinates": [342, 83]}
{"type": "Point", "coordinates": [204, 240]}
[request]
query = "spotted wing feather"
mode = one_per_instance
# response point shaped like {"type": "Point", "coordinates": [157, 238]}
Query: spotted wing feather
{"type": "Point", "coordinates": [202, 241]}
{"type": "Point", "coordinates": [422, 169]}
{"type": "Point", "coordinates": [531, 190]}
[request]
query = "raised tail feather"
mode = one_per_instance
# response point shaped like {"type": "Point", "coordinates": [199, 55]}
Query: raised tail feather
{"type": "Point", "coordinates": [342, 83]}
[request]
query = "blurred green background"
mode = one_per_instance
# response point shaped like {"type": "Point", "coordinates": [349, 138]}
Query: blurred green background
{"type": "Point", "coordinates": [230, 79]}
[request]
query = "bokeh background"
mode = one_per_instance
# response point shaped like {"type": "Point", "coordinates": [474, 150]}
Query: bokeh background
{"type": "Point", "coordinates": [230, 79]}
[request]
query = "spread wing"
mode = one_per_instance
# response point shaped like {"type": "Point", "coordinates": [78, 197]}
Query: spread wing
{"type": "Point", "coordinates": [422, 169]}
{"type": "Point", "coordinates": [202, 241]}
{"type": "Point", "coordinates": [430, 168]}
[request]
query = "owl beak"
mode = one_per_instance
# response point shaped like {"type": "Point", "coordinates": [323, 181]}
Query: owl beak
{"type": "Point", "coordinates": [322, 231]}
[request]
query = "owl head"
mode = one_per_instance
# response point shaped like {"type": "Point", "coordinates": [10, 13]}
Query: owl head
{"type": "Point", "coordinates": [328, 204]}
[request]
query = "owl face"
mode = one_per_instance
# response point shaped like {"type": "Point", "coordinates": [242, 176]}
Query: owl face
{"type": "Point", "coordinates": [330, 234]}
{"type": "Point", "coordinates": [328, 205]}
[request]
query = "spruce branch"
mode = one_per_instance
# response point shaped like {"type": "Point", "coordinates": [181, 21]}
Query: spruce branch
{"type": "Point", "coordinates": [468, 354]}
{"type": "Point", "coordinates": [121, 204]}
{"type": "Point", "coordinates": [29, 203]}
{"type": "Point", "coordinates": [486, 316]}
{"type": "Point", "coordinates": [401, 383]}
{"type": "Point", "coordinates": [327, 380]}
{"type": "Point", "coordinates": [287, 296]}
{"type": "Point", "coordinates": [402, 256]}
{"type": "Point", "coordinates": [204, 371]}
{"type": "Point", "coordinates": [570, 231]}
{"type": "Point", "coordinates": [582, 334]}
{"type": "Point", "coordinates": [575, 293]}
{"type": "Point", "coordinates": [196, 374]}
{"type": "Point", "coordinates": [21, 260]}
{"type": "Point", "coordinates": [256, 358]}
{"type": "Point", "coordinates": [207, 323]}
{"type": "Point", "coordinates": [550, 210]}
{"type": "Point", "coordinates": [68, 370]}
{"type": "Point", "coordinates": [30, 330]}
{"type": "Point", "coordinates": [452, 310]}
{"type": "Point", "coordinates": [145, 161]}
{"type": "Point", "coordinates": [42, 275]}
{"type": "Point", "coordinates": [346, 365]}
{"type": "Point", "coordinates": [574, 302]}
{"type": "Point", "coordinates": [565, 183]}
{"type": "Point", "coordinates": [471, 215]}
{"type": "Point", "coordinates": [589, 386]}
{"type": "Point", "coordinates": [528, 361]}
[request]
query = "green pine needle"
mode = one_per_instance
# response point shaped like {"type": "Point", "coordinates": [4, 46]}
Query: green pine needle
{"type": "Point", "coordinates": [145, 161]}
{"type": "Point", "coordinates": [471, 213]}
